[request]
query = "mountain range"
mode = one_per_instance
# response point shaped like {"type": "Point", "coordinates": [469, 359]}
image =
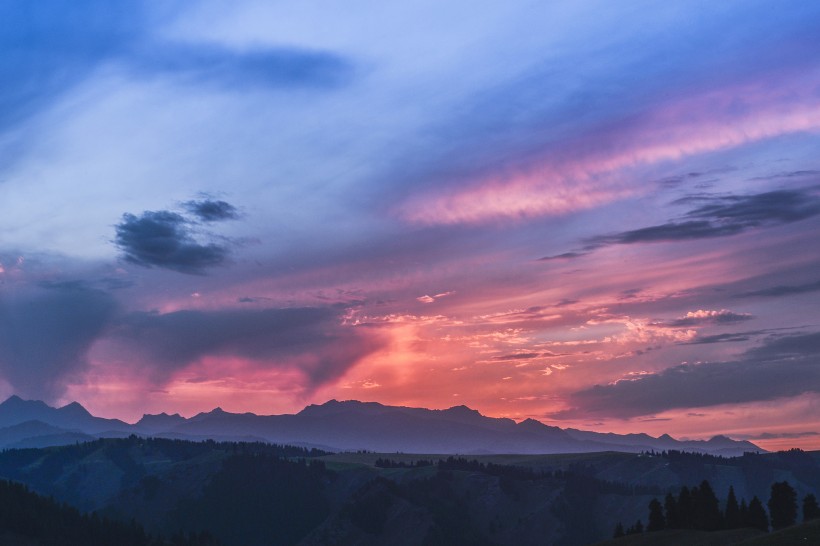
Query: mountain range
{"type": "Point", "coordinates": [342, 426]}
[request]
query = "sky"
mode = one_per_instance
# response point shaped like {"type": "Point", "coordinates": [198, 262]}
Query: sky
{"type": "Point", "coordinates": [601, 215]}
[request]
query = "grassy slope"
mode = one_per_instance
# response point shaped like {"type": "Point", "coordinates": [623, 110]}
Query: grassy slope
{"type": "Point", "coordinates": [804, 534]}
{"type": "Point", "coordinates": [807, 533]}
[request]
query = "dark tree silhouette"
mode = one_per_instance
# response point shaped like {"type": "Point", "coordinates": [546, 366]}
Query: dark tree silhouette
{"type": "Point", "coordinates": [783, 505]}
{"type": "Point", "coordinates": [619, 531]}
{"type": "Point", "coordinates": [732, 518]}
{"type": "Point", "coordinates": [656, 520]}
{"type": "Point", "coordinates": [706, 508]}
{"type": "Point", "coordinates": [28, 518]}
{"type": "Point", "coordinates": [636, 529]}
{"type": "Point", "coordinates": [756, 516]}
{"type": "Point", "coordinates": [685, 516]}
{"type": "Point", "coordinates": [670, 505]}
{"type": "Point", "coordinates": [810, 509]}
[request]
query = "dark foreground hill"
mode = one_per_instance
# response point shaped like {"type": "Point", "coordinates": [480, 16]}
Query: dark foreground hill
{"type": "Point", "coordinates": [29, 519]}
{"type": "Point", "coordinates": [261, 494]}
{"type": "Point", "coordinates": [797, 535]}
{"type": "Point", "coordinates": [340, 426]}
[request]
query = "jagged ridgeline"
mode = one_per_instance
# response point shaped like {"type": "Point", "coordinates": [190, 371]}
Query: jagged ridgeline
{"type": "Point", "coordinates": [240, 493]}
{"type": "Point", "coordinates": [340, 426]}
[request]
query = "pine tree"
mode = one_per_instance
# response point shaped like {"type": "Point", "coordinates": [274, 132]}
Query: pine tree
{"type": "Point", "coordinates": [684, 508]}
{"type": "Point", "coordinates": [783, 505]}
{"type": "Point", "coordinates": [732, 518]}
{"type": "Point", "coordinates": [756, 516]}
{"type": "Point", "coordinates": [656, 520]}
{"type": "Point", "coordinates": [810, 508]}
{"type": "Point", "coordinates": [706, 508]}
{"type": "Point", "coordinates": [619, 531]}
{"type": "Point", "coordinates": [670, 505]}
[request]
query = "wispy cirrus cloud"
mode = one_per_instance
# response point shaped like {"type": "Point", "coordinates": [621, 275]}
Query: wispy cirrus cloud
{"type": "Point", "coordinates": [48, 53]}
{"type": "Point", "coordinates": [210, 64]}
{"type": "Point", "coordinates": [430, 299]}
{"type": "Point", "coordinates": [717, 119]}
{"type": "Point", "coordinates": [782, 290]}
{"type": "Point", "coordinates": [731, 337]}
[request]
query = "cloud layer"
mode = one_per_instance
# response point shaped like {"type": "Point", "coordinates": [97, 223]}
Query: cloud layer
{"type": "Point", "coordinates": [311, 340]}
{"type": "Point", "coordinates": [717, 216]}
{"type": "Point", "coordinates": [781, 367]}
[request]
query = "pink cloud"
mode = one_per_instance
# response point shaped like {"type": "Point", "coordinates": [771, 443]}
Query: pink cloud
{"type": "Point", "coordinates": [594, 170]}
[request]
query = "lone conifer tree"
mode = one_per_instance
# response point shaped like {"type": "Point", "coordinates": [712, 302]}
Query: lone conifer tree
{"type": "Point", "coordinates": [670, 505]}
{"type": "Point", "coordinates": [732, 518]}
{"type": "Point", "coordinates": [756, 516]}
{"type": "Point", "coordinates": [744, 513]}
{"type": "Point", "coordinates": [810, 509]}
{"type": "Point", "coordinates": [706, 508]}
{"type": "Point", "coordinates": [685, 508]}
{"type": "Point", "coordinates": [783, 505]}
{"type": "Point", "coordinates": [656, 520]}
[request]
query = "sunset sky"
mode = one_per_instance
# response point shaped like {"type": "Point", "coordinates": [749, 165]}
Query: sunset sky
{"type": "Point", "coordinates": [603, 215]}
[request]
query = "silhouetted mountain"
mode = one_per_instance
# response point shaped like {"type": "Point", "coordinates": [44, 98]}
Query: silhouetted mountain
{"type": "Point", "coordinates": [159, 422]}
{"type": "Point", "coordinates": [71, 417]}
{"type": "Point", "coordinates": [718, 445]}
{"type": "Point", "coordinates": [353, 425]}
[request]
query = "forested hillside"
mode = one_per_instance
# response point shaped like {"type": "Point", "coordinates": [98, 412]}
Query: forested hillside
{"type": "Point", "coordinates": [260, 494]}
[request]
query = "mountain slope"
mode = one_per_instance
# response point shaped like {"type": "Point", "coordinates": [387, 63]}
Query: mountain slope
{"type": "Point", "coordinates": [347, 425]}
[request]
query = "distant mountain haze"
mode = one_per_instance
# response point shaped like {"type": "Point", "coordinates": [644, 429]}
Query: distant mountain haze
{"type": "Point", "coordinates": [342, 426]}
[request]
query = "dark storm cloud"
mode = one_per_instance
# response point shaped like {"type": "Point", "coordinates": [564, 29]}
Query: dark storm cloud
{"type": "Point", "coordinates": [717, 216]}
{"type": "Point", "coordinates": [46, 332]}
{"type": "Point", "coordinates": [166, 239]}
{"type": "Point", "coordinates": [782, 290]}
{"type": "Point", "coordinates": [780, 367]}
{"type": "Point", "coordinates": [208, 210]}
{"type": "Point", "coordinates": [311, 339]}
